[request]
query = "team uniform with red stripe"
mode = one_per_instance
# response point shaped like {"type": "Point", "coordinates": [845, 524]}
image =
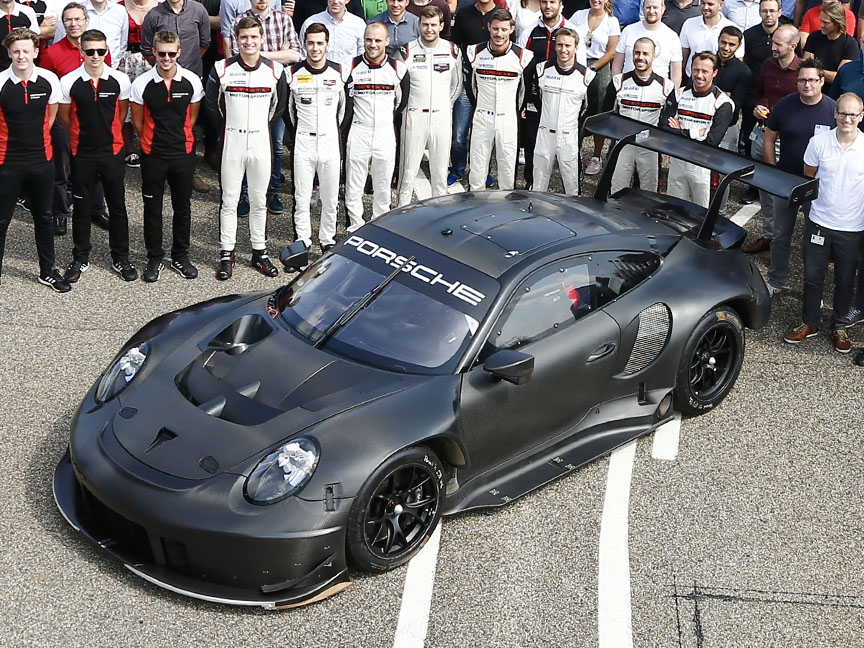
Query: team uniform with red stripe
{"type": "Point", "coordinates": [642, 100]}
{"type": "Point", "coordinates": [20, 16]}
{"type": "Point", "coordinates": [496, 88]}
{"type": "Point", "coordinates": [96, 114]}
{"type": "Point", "coordinates": [378, 92]}
{"type": "Point", "coordinates": [168, 154]}
{"type": "Point", "coordinates": [26, 166]}
{"type": "Point", "coordinates": [245, 100]}
{"type": "Point", "coordinates": [704, 116]}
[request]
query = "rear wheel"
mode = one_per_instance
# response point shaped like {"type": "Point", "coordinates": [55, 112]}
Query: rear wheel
{"type": "Point", "coordinates": [711, 362]}
{"type": "Point", "coordinates": [396, 511]}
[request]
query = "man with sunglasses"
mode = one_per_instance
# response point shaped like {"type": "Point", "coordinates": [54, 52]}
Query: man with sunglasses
{"type": "Point", "coordinates": [794, 120]}
{"type": "Point", "coordinates": [165, 104]}
{"type": "Point", "coordinates": [94, 104]}
{"type": "Point", "coordinates": [246, 94]}
{"type": "Point", "coordinates": [835, 225]}
{"type": "Point", "coordinates": [62, 58]}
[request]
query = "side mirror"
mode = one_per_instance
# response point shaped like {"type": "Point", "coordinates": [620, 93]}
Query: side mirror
{"type": "Point", "coordinates": [512, 366]}
{"type": "Point", "coordinates": [295, 257]}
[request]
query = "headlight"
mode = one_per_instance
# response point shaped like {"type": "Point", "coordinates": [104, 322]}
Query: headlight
{"type": "Point", "coordinates": [122, 372]}
{"type": "Point", "coordinates": [283, 472]}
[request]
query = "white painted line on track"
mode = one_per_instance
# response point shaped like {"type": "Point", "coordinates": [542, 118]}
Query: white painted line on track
{"type": "Point", "coordinates": [614, 620]}
{"type": "Point", "coordinates": [417, 595]}
{"type": "Point", "coordinates": [666, 438]}
{"type": "Point", "coordinates": [745, 214]}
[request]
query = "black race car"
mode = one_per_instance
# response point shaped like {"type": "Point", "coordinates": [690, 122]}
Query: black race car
{"type": "Point", "coordinates": [452, 355]}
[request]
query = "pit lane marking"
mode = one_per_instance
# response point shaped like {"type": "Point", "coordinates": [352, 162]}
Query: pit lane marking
{"type": "Point", "coordinates": [666, 437]}
{"type": "Point", "coordinates": [417, 595]}
{"type": "Point", "coordinates": [743, 215]}
{"type": "Point", "coordinates": [614, 617]}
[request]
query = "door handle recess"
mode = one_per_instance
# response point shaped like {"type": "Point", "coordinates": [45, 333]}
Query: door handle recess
{"type": "Point", "coordinates": [601, 351]}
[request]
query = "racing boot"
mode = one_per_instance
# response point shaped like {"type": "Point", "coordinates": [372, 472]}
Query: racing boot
{"type": "Point", "coordinates": [262, 263]}
{"type": "Point", "coordinates": [226, 265]}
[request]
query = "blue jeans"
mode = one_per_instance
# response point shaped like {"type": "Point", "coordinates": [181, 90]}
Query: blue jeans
{"type": "Point", "coordinates": [463, 111]}
{"type": "Point", "coordinates": [277, 134]}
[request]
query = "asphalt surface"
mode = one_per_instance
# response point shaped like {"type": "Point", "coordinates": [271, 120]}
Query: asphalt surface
{"type": "Point", "coordinates": [752, 536]}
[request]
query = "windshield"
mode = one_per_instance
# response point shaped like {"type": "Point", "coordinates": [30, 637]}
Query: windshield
{"type": "Point", "coordinates": [402, 329]}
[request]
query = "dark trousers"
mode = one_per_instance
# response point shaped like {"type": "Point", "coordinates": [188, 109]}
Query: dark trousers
{"type": "Point", "coordinates": [61, 206]}
{"type": "Point", "coordinates": [840, 247]}
{"type": "Point", "coordinates": [86, 174]}
{"type": "Point", "coordinates": [529, 126]}
{"type": "Point", "coordinates": [34, 183]}
{"type": "Point", "coordinates": [178, 172]}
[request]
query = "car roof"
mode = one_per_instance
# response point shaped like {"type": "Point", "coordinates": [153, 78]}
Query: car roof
{"type": "Point", "coordinates": [493, 231]}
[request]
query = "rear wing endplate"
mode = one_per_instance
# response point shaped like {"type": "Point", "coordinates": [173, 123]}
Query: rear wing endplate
{"type": "Point", "coordinates": [796, 189]}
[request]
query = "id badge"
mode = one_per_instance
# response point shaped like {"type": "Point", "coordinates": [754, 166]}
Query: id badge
{"type": "Point", "coordinates": [815, 239]}
{"type": "Point", "coordinates": [821, 128]}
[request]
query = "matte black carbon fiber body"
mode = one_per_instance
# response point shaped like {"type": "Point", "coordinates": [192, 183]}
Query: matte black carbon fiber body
{"type": "Point", "coordinates": [156, 475]}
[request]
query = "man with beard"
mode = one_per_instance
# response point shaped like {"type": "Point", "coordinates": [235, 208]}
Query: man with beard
{"type": "Point", "coordinates": [667, 52]}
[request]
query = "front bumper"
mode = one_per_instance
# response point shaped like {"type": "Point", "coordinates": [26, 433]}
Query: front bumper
{"type": "Point", "coordinates": [236, 561]}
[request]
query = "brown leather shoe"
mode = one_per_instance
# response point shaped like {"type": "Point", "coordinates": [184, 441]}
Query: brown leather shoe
{"type": "Point", "coordinates": [842, 343]}
{"type": "Point", "coordinates": [799, 334]}
{"type": "Point", "coordinates": [199, 185]}
{"type": "Point", "coordinates": [761, 244]}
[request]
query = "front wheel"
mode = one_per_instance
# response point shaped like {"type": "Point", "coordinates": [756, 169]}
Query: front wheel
{"type": "Point", "coordinates": [710, 363]}
{"type": "Point", "coordinates": [396, 511]}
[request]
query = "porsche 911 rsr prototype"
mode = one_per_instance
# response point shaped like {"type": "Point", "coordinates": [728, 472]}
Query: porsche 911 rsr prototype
{"type": "Point", "coordinates": [452, 355]}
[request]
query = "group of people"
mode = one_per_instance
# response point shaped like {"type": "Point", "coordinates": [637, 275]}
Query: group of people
{"type": "Point", "coordinates": [366, 84]}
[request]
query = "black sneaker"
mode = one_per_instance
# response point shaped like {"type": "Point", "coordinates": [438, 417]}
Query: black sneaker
{"type": "Point", "coordinates": [854, 316]}
{"type": "Point", "coordinates": [59, 226]}
{"type": "Point", "coordinates": [226, 265]}
{"type": "Point", "coordinates": [243, 206]}
{"type": "Point", "coordinates": [56, 281]}
{"type": "Point", "coordinates": [262, 263]}
{"type": "Point", "coordinates": [101, 221]}
{"type": "Point", "coordinates": [274, 204]}
{"type": "Point", "coordinates": [73, 272]}
{"type": "Point", "coordinates": [23, 203]}
{"type": "Point", "coordinates": [152, 271]}
{"type": "Point", "coordinates": [184, 268]}
{"type": "Point", "coordinates": [133, 161]}
{"type": "Point", "coordinates": [125, 269]}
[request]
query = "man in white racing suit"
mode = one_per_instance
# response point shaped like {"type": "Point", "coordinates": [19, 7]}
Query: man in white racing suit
{"type": "Point", "coordinates": [702, 112]}
{"type": "Point", "coordinates": [378, 88]}
{"type": "Point", "coordinates": [640, 94]}
{"type": "Point", "coordinates": [316, 106]}
{"type": "Point", "coordinates": [245, 93]}
{"type": "Point", "coordinates": [559, 92]}
{"type": "Point", "coordinates": [496, 88]}
{"type": "Point", "coordinates": [435, 73]}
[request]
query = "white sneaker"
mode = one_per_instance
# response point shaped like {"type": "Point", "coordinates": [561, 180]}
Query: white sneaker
{"type": "Point", "coordinates": [594, 166]}
{"type": "Point", "coordinates": [316, 195]}
{"type": "Point", "coordinates": [522, 156]}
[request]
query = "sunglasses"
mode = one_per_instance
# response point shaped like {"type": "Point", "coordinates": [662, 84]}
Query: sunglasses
{"type": "Point", "coordinates": [168, 54]}
{"type": "Point", "coordinates": [101, 51]}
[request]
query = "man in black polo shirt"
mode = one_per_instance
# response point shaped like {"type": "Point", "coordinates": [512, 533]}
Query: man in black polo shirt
{"type": "Point", "coordinates": [165, 105]}
{"type": "Point", "coordinates": [677, 11]}
{"type": "Point", "coordinates": [733, 78]}
{"type": "Point", "coordinates": [28, 106]}
{"type": "Point", "coordinates": [94, 105]}
{"type": "Point", "coordinates": [832, 46]}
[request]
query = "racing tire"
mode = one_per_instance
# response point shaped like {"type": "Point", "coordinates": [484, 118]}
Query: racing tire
{"type": "Point", "coordinates": [396, 510]}
{"type": "Point", "coordinates": [710, 363]}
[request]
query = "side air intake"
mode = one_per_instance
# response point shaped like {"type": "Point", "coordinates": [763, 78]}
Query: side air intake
{"type": "Point", "coordinates": [651, 337]}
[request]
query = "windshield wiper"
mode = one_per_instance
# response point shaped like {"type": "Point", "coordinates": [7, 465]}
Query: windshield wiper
{"type": "Point", "coordinates": [359, 305]}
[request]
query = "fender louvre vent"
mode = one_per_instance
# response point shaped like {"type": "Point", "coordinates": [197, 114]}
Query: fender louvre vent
{"type": "Point", "coordinates": [650, 338]}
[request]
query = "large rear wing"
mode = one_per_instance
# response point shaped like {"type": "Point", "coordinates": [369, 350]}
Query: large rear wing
{"type": "Point", "coordinates": [797, 189]}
